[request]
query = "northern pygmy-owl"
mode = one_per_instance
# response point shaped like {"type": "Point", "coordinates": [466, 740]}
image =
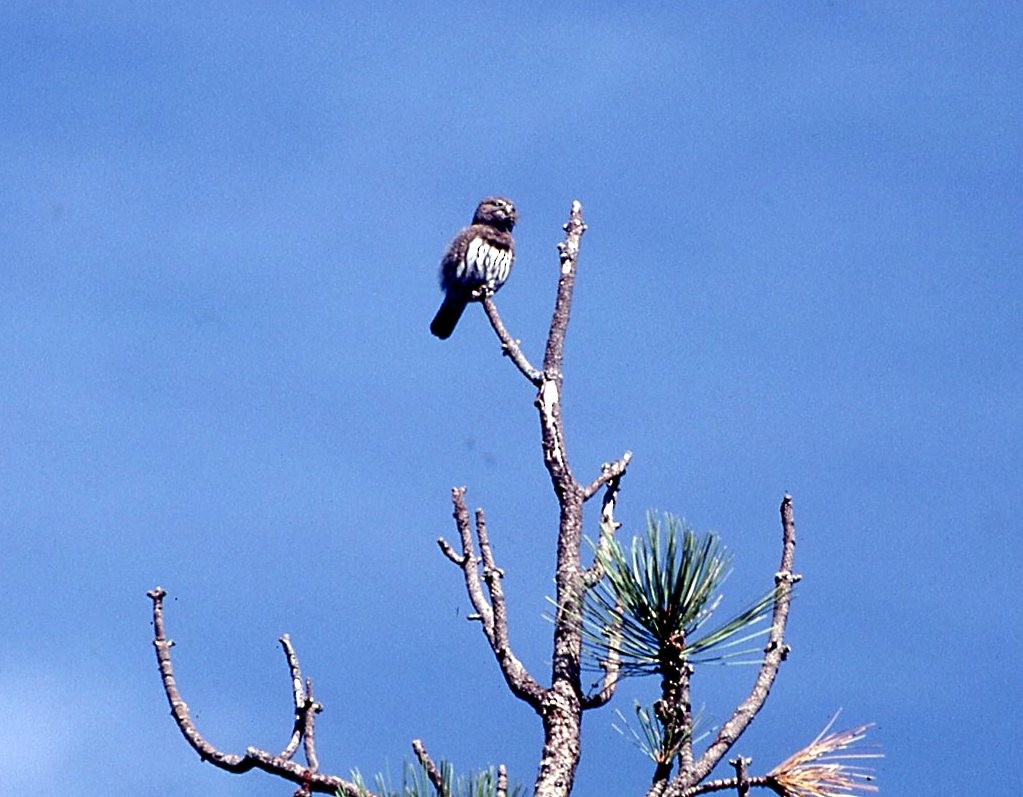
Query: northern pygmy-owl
{"type": "Point", "coordinates": [477, 262]}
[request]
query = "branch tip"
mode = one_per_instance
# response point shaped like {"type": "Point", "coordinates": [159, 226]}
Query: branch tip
{"type": "Point", "coordinates": [433, 772]}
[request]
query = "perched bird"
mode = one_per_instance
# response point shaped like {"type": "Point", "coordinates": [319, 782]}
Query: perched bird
{"type": "Point", "coordinates": [477, 262]}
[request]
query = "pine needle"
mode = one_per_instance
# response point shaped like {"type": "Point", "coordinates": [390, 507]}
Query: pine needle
{"type": "Point", "coordinates": [821, 769]}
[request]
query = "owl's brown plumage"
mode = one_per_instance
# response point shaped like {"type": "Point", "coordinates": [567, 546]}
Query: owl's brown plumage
{"type": "Point", "coordinates": [477, 262]}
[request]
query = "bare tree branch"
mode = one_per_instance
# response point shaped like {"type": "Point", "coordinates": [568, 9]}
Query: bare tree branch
{"type": "Point", "coordinates": [312, 708]}
{"type": "Point", "coordinates": [727, 784]}
{"type": "Point", "coordinates": [611, 665]}
{"type": "Point", "coordinates": [609, 471]}
{"type": "Point", "coordinates": [568, 251]}
{"type": "Point", "coordinates": [742, 783]}
{"type": "Point", "coordinates": [449, 552]}
{"type": "Point", "coordinates": [562, 708]}
{"type": "Point", "coordinates": [306, 708]}
{"type": "Point", "coordinates": [468, 562]}
{"type": "Point", "coordinates": [548, 400]}
{"type": "Point", "coordinates": [592, 575]}
{"type": "Point", "coordinates": [493, 614]}
{"type": "Point", "coordinates": [298, 696]}
{"type": "Point", "coordinates": [510, 348]}
{"type": "Point", "coordinates": [432, 770]}
{"type": "Point", "coordinates": [283, 767]}
{"type": "Point", "coordinates": [774, 653]}
{"type": "Point", "coordinates": [608, 526]}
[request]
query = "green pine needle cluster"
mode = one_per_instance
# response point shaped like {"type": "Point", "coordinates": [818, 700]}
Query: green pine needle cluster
{"type": "Point", "coordinates": [657, 742]}
{"type": "Point", "coordinates": [663, 590]}
{"type": "Point", "coordinates": [415, 783]}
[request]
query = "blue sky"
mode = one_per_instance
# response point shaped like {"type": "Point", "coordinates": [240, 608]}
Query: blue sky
{"type": "Point", "coordinates": [221, 225]}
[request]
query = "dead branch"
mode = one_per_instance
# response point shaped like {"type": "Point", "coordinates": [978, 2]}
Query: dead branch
{"type": "Point", "coordinates": [510, 348]}
{"type": "Point", "coordinates": [775, 653]}
{"type": "Point", "coordinates": [608, 526]}
{"type": "Point", "coordinates": [609, 471]}
{"type": "Point", "coordinates": [741, 766]}
{"type": "Point", "coordinates": [306, 708]}
{"type": "Point", "coordinates": [307, 777]}
{"type": "Point", "coordinates": [592, 576]}
{"type": "Point", "coordinates": [562, 709]}
{"type": "Point", "coordinates": [433, 772]}
{"type": "Point", "coordinates": [611, 665]}
{"type": "Point", "coordinates": [492, 614]}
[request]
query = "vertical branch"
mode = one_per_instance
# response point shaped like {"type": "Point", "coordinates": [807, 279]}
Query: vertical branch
{"type": "Point", "coordinates": [611, 475]}
{"type": "Point", "coordinates": [548, 400]}
{"type": "Point", "coordinates": [562, 705]}
{"type": "Point", "coordinates": [775, 653]}
{"type": "Point", "coordinates": [492, 576]}
{"type": "Point", "coordinates": [684, 726]}
{"type": "Point", "coordinates": [673, 709]}
{"type": "Point", "coordinates": [297, 696]}
{"type": "Point", "coordinates": [468, 562]}
{"type": "Point", "coordinates": [742, 784]}
{"type": "Point", "coordinates": [309, 712]}
{"type": "Point", "coordinates": [568, 251]}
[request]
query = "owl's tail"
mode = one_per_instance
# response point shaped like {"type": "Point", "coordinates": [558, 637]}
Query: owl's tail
{"type": "Point", "coordinates": [450, 311]}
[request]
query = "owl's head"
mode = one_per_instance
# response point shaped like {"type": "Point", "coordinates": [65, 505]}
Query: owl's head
{"type": "Point", "coordinates": [496, 211]}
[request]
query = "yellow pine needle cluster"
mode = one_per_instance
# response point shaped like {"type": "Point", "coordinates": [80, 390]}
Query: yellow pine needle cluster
{"type": "Point", "coordinates": [822, 769]}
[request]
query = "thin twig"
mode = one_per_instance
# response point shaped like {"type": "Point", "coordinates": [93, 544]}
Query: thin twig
{"type": "Point", "coordinates": [254, 757]}
{"type": "Point", "coordinates": [521, 682]}
{"type": "Point", "coordinates": [492, 576]}
{"type": "Point", "coordinates": [468, 562]}
{"type": "Point", "coordinates": [449, 552]}
{"type": "Point", "coordinates": [309, 712]}
{"type": "Point", "coordinates": [510, 347]}
{"type": "Point", "coordinates": [611, 665]}
{"type": "Point", "coordinates": [609, 471]}
{"type": "Point", "coordinates": [298, 696]}
{"type": "Point", "coordinates": [741, 766]}
{"type": "Point", "coordinates": [432, 770]}
{"type": "Point", "coordinates": [608, 526]}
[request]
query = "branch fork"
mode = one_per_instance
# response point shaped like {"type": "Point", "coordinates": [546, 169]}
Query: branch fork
{"type": "Point", "coordinates": [492, 613]}
{"type": "Point", "coordinates": [308, 777]}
